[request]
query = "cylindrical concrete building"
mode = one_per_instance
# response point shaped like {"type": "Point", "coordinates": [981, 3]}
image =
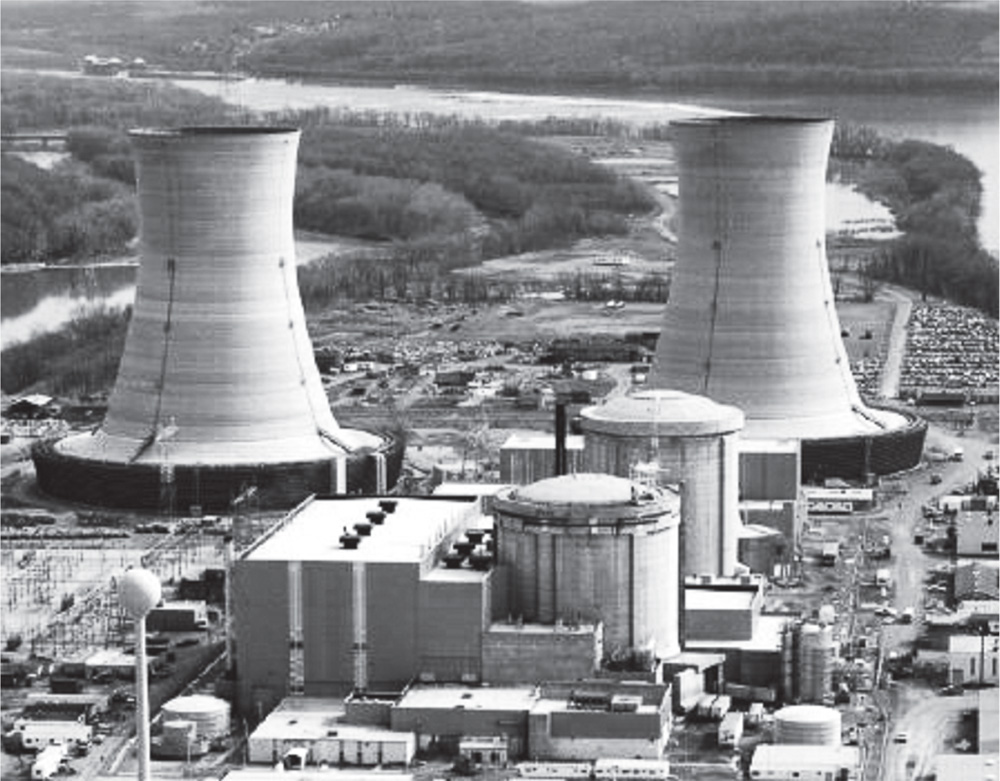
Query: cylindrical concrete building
{"type": "Point", "coordinates": [751, 319]}
{"type": "Point", "coordinates": [691, 441]}
{"type": "Point", "coordinates": [594, 547]}
{"type": "Point", "coordinates": [217, 389]}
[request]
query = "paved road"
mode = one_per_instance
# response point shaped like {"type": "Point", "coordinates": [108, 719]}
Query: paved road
{"type": "Point", "coordinates": [931, 723]}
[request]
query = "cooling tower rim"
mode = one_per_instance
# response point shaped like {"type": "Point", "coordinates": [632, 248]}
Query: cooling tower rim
{"type": "Point", "coordinates": [212, 130]}
{"type": "Point", "coordinates": [750, 119]}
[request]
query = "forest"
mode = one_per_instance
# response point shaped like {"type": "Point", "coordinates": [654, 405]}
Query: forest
{"type": "Point", "coordinates": [460, 193]}
{"type": "Point", "coordinates": [587, 46]}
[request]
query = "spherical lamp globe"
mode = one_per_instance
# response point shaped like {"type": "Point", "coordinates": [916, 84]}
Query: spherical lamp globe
{"type": "Point", "coordinates": [138, 592]}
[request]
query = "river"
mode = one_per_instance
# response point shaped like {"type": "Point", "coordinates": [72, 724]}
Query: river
{"type": "Point", "coordinates": [35, 302]}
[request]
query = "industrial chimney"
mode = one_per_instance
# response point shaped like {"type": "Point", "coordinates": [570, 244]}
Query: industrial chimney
{"type": "Point", "coordinates": [751, 320]}
{"type": "Point", "coordinates": [217, 387]}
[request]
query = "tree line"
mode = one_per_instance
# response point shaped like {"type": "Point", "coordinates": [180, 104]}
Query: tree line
{"type": "Point", "coordinates": [935, 195]}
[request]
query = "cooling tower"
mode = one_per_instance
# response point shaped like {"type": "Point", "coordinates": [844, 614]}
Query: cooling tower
{"type": "Point", "coordinates": [682, 439]}
{"type": "Point", "coordinates": [751, 319]}
{"type": "Point", "coordinates": [217, 389]}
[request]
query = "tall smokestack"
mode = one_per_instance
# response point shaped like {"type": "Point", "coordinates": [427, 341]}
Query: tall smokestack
{"type": "Point", "coordinates": [561, 461]}
{"type": "Point", "coordinates": [751, 319]}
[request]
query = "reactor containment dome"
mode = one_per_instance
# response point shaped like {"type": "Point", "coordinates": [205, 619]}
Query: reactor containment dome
{"type": "Point", "coordinates": [594, 548]}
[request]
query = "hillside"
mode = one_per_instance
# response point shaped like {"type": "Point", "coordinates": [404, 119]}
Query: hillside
{"type": "Point", "coordinates": [615, 46]}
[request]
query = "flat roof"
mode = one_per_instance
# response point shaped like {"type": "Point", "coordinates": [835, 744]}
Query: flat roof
{"type": "Point", "coordinates": [750, 446]}
{"type": "Point", "coordinates": [781, 757]}
{"type": "Point", "coordinates": [559, 704]}
{"type": "Point", "coordinates": [543, 629]}
{"type": "Point", "coordinates": [971, 766]}
{"type": "Point", "coordinates": [717, 599]}
{"type": "Point", "coordinates": [540, 441]}
{"type": "Point", "coordinates": [491, 698]}
{"type": "Point", "coordinates": [312, 531]}
{"type": "Point", "coordinates": [460, 575]}
{"type": "Point", "coordinates": [317, 719]}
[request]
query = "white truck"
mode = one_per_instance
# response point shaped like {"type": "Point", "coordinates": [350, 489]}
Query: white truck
{"type": "Point", "coordinates": [47, 763]}
{"type": "Point", "coordinates": [731, 729]}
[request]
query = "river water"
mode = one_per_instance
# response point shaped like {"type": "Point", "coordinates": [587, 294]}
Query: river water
{"type": "Point", "coordinates": [39, 301]}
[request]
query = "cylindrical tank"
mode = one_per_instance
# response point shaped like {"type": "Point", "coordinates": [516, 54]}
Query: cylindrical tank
{"type": "Point", "coordinates": [760, 548]}
{"type": "Point", "coordinates": [217, 374]}
{"type": "Point", "coordinates": [694, 443]}
{"type": "Point", "coordinates": [816, 659]}
{"type": "Point", "coordinates": [178, 740]}
{"type": "Point", "coordinates": [594, 547]}
{"type": "Point", "coordinates": [210, 715]}
{"type": "Point", "coordinates": [751, 319]}
{"type": "Point", "coordinates": [807, 725]}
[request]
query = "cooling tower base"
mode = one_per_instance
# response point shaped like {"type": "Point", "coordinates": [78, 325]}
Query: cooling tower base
{"type": "Point", "coordinates": [145, 486]}
{"type": "Point", "coordinates": [856, 457]}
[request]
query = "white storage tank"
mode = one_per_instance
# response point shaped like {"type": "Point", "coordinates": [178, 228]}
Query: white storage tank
{"type": "Point", "coordinates": [807, 725]}
{"type": "Point", "coordinates": [594, 547]}
{"type": "Point", "coordinates": [209, 714]}
{"type": "Point", "coordinates": [694, 443]}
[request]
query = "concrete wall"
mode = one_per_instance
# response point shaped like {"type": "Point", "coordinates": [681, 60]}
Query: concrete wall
{"type": "Point", "coordinates": [719, 624]}
{"type": "Point", "coordinates": [769, 474]}
{"type": "Point", "coordinates": [453, 616]}
{"type": "Point", "coordinates": [392, 624]}
{"type": "Point", "coordinates": [545, 746]}
{"type": "Point", "coordinates": [529, 655]}
{"type": "Point", "coordinates": [327, 628]}
{"type": "Point", "coordinates": [448, 725]}
{"type": "Point", "coordinates": [260, 621]}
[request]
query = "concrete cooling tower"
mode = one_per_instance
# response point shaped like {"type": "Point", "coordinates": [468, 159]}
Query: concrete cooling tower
{"type": "Point", "coordinates": [217, 389]}
{"type": "Point", "coordinates": [751, 319]}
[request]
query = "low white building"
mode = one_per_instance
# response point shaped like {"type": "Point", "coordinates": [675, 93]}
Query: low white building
{"type": "Point", "coordinates": [805, 762]}
{"type": "Point", "coordinates": [973, 659]}
{"type": "Point", "coordinates": [316, 726]}
{"type": "Point", "coordinates": [976, 533]}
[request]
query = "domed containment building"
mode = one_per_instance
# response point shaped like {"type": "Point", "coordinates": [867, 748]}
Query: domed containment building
{"type": "Point", "coordinates": [594, 548]}
{"type": "Point", "coordinates": [683, 439]}
{"type": "Point", "coordinates": [751, 319]}
{"type": "Point", "coordinates": [217, 389]}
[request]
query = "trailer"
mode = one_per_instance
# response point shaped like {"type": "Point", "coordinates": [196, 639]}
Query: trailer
{"type": "Point", "coordinates": [47, 763]}
{"type": "Point", "coordinates": [37, 734]}
{"type": "Point", "coordinates": [731, 729]}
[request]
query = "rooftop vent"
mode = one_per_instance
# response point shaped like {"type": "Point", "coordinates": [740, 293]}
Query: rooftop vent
{"type": "Point", "coordinates": [363, 528]}
{"type": "Point", "coordinates": [464, 547]}
{"type": "Point", "coordinates": [453, 560]}
{"type": "Point", "coordinates": [376, 517]}
{"type": "Point", "coordinates": [388, 505]}
{"type": "Point", "coordinates": [474, 535]}
{"type": "Point", "coordinates": [349, 541]}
